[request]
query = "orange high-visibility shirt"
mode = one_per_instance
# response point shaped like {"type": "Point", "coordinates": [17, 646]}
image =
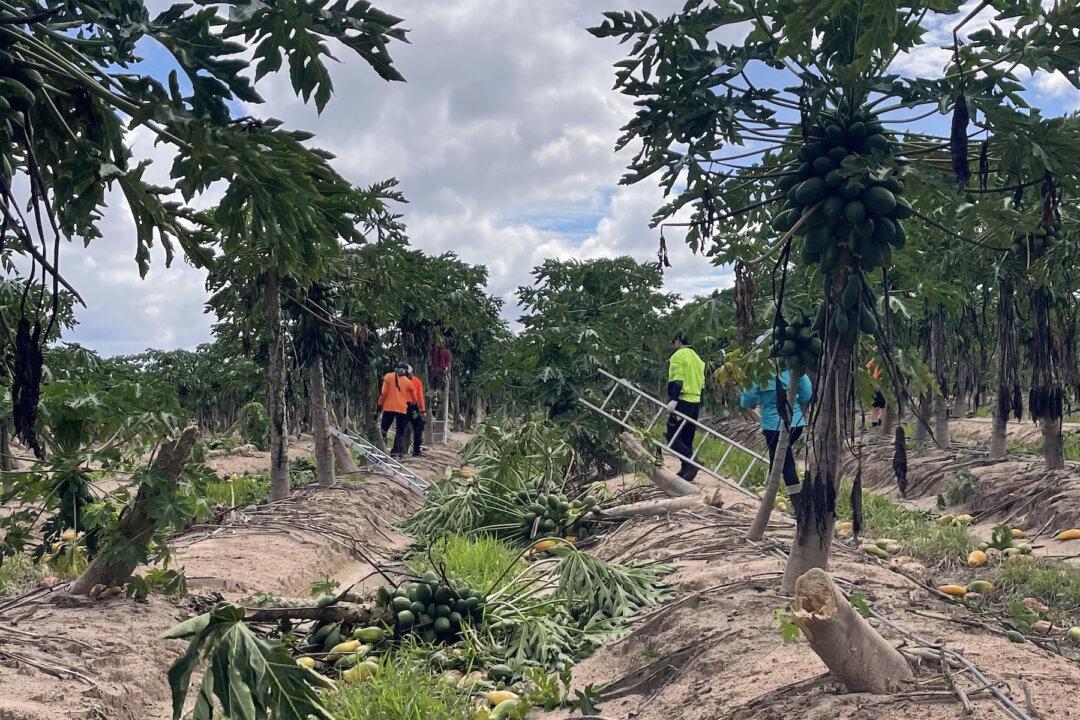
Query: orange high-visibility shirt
{"type": "Point", "coordinates": [397, 393]}
{"type": "Point", "coordinates": [418, 393]}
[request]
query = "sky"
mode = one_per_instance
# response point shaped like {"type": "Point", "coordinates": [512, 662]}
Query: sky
{"type": "Point", "coordinates": [502, 139]}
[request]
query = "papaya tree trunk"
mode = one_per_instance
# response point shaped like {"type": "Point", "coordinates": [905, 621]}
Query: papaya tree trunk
{"type": "Point", "coordinates": [320, 426]}
{"type": "Point", "coordinates": [275, 385]}
{"type": "Point", "coordinates": [852, 650]}
{"type": "Point", "coordinates": [776, 468]}
{"type": "Point", "coordinates": [1046, 399]}
{"type": "Point", "coordinates": [137, 524]}
{"type": "Point", "coordinates": [815, 504]}
{"type": "Point", "coordinates": [937, 355]}
{"type": "Point", "coordinates": [1006, 367]}
{"type": "Point", "coordinates": [888, 423]}
{"type": "Point", "coordinates": [7, 462]}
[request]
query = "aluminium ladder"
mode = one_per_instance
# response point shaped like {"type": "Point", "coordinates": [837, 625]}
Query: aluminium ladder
{"type": "Point", "coordinates": [382, 461]}
{"type": "Point", "coordinates": [623, 392]}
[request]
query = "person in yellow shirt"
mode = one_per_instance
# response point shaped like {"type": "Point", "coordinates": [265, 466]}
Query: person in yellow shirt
{"type": "Point", "coordinates": [397, 394]}
{"type": "Point", "coordinates": [686, 380]}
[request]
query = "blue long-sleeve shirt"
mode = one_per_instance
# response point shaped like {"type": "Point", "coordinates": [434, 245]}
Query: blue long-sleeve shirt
{"type": "Point", "coordinates": [765, 398]}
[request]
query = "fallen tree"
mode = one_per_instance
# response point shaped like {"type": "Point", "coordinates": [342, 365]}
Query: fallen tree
{"type": "Point", "coordinates": [663, 478]}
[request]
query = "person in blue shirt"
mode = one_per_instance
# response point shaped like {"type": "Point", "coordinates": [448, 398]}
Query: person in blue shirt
{"type": "Point", "coordinates": [771, 424]}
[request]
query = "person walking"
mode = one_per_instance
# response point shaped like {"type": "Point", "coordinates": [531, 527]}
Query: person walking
{"type": "Point", "coordinates": [417, 411]}
{"type": "Point", "coordinates": [764, 398]}
{"type": "Point", "coordinates": [878, 408]}
{"type": "Point", "coordinates": [686, 380]}
{"type": "Point", "coordinates": [397, 393]}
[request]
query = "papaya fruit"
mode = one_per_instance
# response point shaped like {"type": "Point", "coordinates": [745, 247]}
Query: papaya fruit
{"type": "Point", "coordinates": [833, 207]}
{"type": "Point", "coordinates": [884, 230]}
{"type": "Point", "coordinates": [824, 165]}
{"type": "Point", "coordinates": [810, 191]}
{"type": "Point", "coordinates": [850, 298]}
{"type": "Point", "coordinates": [953, 590]}
{"type": "Point", "coordinates": [873, 142]}
{"type": "Point", "coordinates": [867, 322]}
{"type": "Point", "coordinates": [854, 212]}
{"type": "Point", "coordinates": [838, 154]}
{"type": "Point", "coordinates": [902, 211]}
{"type": "Point", "coordinates": [879, 201]}
{"type": "Point", "coordinates": [811, 151]}
{"type": "Point", "coordinates": [834, 179]}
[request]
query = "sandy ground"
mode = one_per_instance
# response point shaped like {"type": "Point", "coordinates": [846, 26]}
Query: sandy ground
{"type": "Point", "coordinates": [1022, 431]}
{"type": "Point", "coordinates": [115, 645]}
{"type": "Point", "coordinates": [715, 651]}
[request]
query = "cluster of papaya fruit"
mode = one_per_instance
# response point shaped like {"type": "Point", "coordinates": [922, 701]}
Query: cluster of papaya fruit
{"type": "Point", "coordinates": [1031, 246]}
{"type": "Point", "coordinates": [797, 345]}
{"type": "Point", "coordinates": [434, 609]}
{"type": "Point", "coordinates": [553, 513]}
{"type": "Point", "coordinates": [845, 207]}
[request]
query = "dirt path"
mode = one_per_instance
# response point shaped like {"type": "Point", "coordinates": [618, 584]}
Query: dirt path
{"type": "Point", "coordinates": [278, 547]}
{"type": "Point", "coordinates": [715, 652]}
{"type": "Point", "coordinates": [1021, 431]}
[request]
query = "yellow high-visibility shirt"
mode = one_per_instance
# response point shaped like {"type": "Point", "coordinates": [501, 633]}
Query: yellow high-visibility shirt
{"type": "Point", "coordinates": [686, 367]}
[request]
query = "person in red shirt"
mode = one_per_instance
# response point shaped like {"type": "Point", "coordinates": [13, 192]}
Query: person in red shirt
{"type": "Point", "coordinates": [397, 394]}
{"type": "Point", "coordinates": [417, 411]}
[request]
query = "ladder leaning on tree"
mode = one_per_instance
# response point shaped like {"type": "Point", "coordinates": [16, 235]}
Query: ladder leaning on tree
{"type": "Point", "coordinates": [624, 399]}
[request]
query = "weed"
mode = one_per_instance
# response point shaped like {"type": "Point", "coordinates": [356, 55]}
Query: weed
{"type": "Point", "coordinates": [915, 530]}
{"type": "Point", "coordinates": [19, 574]}
{"type": "Point", "coordinates": [1054, 583]}
{"type": "Point", "coordinates": [403, 688]}
{"type": "Point", "coordinates": [959, 490]}
{"type": "Point", "coordinates": [475, 560]}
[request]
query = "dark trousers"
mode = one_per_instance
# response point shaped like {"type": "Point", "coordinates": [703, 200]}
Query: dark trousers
{"type": "Point", "coordinates": [684, 443]}
{"type": "Point", "coordinates": [772, 437]}
{"type": "Point", "coordinates": [398, 421]}
{"type": "Point", "coordinates": [417, 419]}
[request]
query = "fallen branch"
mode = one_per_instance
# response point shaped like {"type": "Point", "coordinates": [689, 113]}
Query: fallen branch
{"type": "Point", "coordinates": [350, 613]}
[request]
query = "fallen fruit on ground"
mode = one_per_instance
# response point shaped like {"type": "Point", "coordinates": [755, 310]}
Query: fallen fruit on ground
{"type": "Point", "coordinates": [976, 558]}
{"type": "Point", "coordinates": [497, 697]}
{"type": "Point", "coordinates": [1071, 534]}
{"type": "Point", "coordinates": [953, 590]}
{"type": "Point", "coordinates": [981, 586]}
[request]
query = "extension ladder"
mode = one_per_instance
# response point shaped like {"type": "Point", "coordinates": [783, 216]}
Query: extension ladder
{"type": "Point", "coordinates": [382, 461]}
{"type": "Point", "coordinates": [623, 392]}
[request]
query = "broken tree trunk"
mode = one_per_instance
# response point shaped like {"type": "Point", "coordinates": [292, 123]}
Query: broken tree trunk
{"type": "Point", "coordinates": [343, 457]}
{"type": "Point", "coordinates": [137, 524]}
{"type": "Point", "coordinates": [663, 478]}
{"type": "Point", "coordinates": [852, 650]}
{"type": "Point", "coordinates": [659, 507]}
{"type": "Point", "coordinates": [776, 466]}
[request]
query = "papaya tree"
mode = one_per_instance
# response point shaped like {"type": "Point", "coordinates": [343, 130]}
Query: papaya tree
{"type": "Point", "coordinates": [806, 125]}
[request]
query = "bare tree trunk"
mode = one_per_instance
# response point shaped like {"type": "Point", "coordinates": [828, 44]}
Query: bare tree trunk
{"type": "Point", "coordinates": [343, 457]}
{"type": "Point", "coordinates": [137, 526]}
{"type": "Point", "coordinates": [1046, 400]}
{"type": "Point", "coordinates": [1006, 368]}
{"type": "Point", "coordinates": [776, 469]}
{"type": "Point", "coordinates": [937, 355]}
{"type": "Point", "coordinates": [7, 462]}
{"type": "Point", "coordinates": [320, 426]}
{"type": "Point", "coordinates": [479, 408]}
{"type": "Point", "coordinates": [852, 650]}
{"type": "Point", "coordinates": [888, 423]}
{"type": "Point", "coordinates": [923, 417]}
{"type": "Point", "coordinates": [815, 504]}
{"type": "Point", "coordinates": [275, 384]}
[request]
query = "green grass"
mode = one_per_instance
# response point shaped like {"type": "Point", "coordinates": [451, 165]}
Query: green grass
{"type": "Point", "coordinates": [402, 689]}
{"type": "Point", "coordinates": [1053, 582]}
{"type": "Point", "coordinates": [1070, 447]}
{"type": "Point", "coordinates": [254, 488]}
{"type": "Point", "coordinates": [477, 561]}
{"type": "Point", "coordinates": [914, 530]}
{"type": "Point", "coordinates": [20, 574]}
{"type": "Point", "coordinates": [711, 450]}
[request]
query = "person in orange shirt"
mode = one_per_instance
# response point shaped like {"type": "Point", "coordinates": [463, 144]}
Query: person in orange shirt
{"type": "Point", "coordinates": [417, 411]}
{"type": "Point", "coordinates": [397, 394]}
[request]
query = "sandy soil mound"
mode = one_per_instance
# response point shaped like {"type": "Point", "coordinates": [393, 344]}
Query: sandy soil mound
{"type": "Point", "coordinates": [113, 645]}
{"type": "Point", "coordinates": [715, 652]}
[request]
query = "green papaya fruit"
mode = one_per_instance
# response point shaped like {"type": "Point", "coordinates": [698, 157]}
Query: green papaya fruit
{"type": "Point", "coordinates": [902, 211]}
{"type": "Point", "coordinates": [810, 191]}
{"type": "Point", "coordinates": [884, 230]}
{"type": "Point", "coordinates": [824, 165]}
{"type": "Point", "coordinates": [833, 207]}
{"type": "Point", "coordinates": [879, 200]}
{"type": "Point", "coordinates": [838, 154]}
{"type": "Point", "coordinates": [900, 238]}
{"type": "Point", "coordinates": [834, 179]}
{"type": "Point", "coordinates": [850, 298]}
{"type": "Point", "coordinates": [854, 212]}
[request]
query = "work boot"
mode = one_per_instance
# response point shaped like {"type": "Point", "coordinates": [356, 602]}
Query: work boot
{"type": "Point", "coordinates": [688, 473]}
{"type": "Point", "coordinates": [417, 453]}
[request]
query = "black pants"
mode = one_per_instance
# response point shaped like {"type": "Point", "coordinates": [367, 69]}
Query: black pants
{"type": "Point", "coordinates": [684, 443]}
{"type": "Point", "coordinates": [398, 421]}
{"type": "Point", "coordinates": [417, 419]}
{"type": "Point", "coordinates": [772, 437]}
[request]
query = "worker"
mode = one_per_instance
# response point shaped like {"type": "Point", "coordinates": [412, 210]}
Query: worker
{"type": "Point", "coordinates": [878, 410]}
{"type": "Point", "coordinates": [771, 424]}
{"type": "Point", "coordinates": [397, 393]}
{"type": "Point", "coordinates": [417, 411]}
{"type": "Point", "coordinates": [686, 380]}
